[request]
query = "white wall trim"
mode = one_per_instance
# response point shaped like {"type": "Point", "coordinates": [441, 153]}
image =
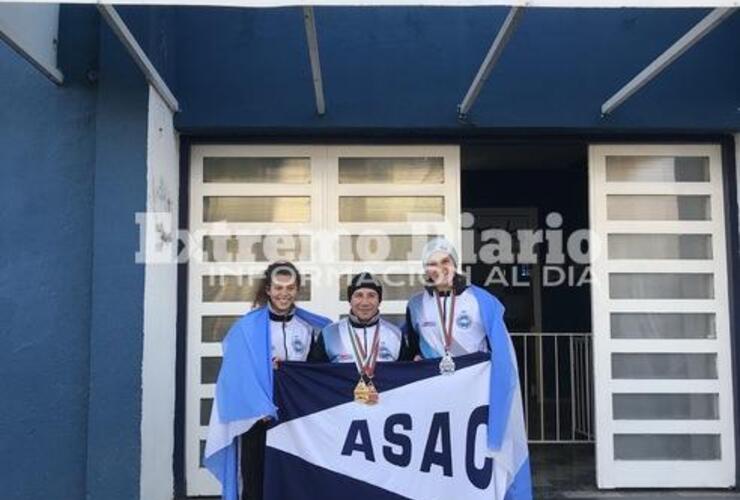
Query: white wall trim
{"type": "Point", "coordinates": [32, 31]}
{"type": "Point", "coordinates": [160, 304]}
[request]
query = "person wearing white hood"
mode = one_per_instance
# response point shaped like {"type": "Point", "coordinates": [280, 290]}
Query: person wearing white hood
{"type": "Point", "coordinates": [444, 320]}
{"type": "Point", "coordinates": [451, 318]}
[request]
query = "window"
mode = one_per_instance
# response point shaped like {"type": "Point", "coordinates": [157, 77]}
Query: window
{"type": "Point", "coordinates": [334, 211]}
{"type": "Point", "coordinates": [663, 385]}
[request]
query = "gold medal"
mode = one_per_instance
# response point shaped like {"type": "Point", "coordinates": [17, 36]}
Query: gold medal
{"type": "Point", "coordinates": [372, 394]}
{"type": "Point", "coordinates": [362, 392]}
{"type": "Point", "coordinates": [365, 391]}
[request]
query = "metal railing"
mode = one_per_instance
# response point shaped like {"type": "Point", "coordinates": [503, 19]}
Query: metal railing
{"type": "Point", "coordinates": [557, 388]}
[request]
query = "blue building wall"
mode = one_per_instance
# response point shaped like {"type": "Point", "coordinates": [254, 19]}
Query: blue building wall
{"type": "Point", "coordinates": [72, 176]}
{"type": "Point", "coordinates": [47, 155]}
{"type": "Point", "coordinates": [117, 316]}
{"type": "Point", "coordinates": [407, 68]}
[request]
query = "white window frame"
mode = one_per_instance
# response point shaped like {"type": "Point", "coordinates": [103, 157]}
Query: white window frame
{"type": "Point", "coordinates": [324, 190]}
{"type": "Point", "coordinates": [199, 481]}
{"type": "Point", "coordinates": [613, 473]}
{"type": "Point", "coordinates": [450, 190]}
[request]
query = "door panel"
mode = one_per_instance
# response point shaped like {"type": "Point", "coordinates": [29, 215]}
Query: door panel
{"type": "Point", "coordinates": [323, 207]}
{"type": "Point", "coordinates": [662, 372]}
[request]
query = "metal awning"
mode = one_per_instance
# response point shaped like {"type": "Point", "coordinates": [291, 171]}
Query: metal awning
{"type": "Point", "coordinates": [723, 9]}
{"type": "Point", "coordinates": [701, 29]}
{"type": "Point", "coordinates": [410, 3]}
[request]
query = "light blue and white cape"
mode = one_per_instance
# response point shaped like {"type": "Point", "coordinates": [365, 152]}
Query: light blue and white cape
{"type": "Point", "coordinates": [243, 392]}
{"type": "Point", "coordinates": [507, 436]}
{"type": "Point", "coordinates": [507, 439]}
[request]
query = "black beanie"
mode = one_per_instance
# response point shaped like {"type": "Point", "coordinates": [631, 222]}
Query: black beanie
{"type": "Point", "coordinates": [364, 280]}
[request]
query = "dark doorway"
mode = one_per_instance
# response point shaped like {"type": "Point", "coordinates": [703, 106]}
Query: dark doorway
{"type": "Point", "coordinates": [532, 187]}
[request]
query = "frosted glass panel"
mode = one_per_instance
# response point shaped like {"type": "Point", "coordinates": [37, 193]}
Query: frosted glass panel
{"type": "Point", "coordinates": [657, 207]}
{"type": "Point", "coordinates": [665, 406]}
{"type": "Point", "coordinates": [657, 169]}
{"type": "Point", "coordinates": [209, 368]}
{"type": "Point", "coordinates": [391, 208]}
{"type": "Point", "coordinates": [395, 286]}
{"type": "Point", "coordinates": [660, 246]}
{"type": "Point", "coordinates": [205, 410]}
{"type": "Point", "coordinates": [396, 319]}
{"type": "Point", "coordinates": [664, 366]}
{"type": "Point", "coordinates": [662, 325]}
{"type": "Point", "coordinates": [257, 208]}
{"type": "Point", "coordinates": [391, 170]}
{"type": "Point", "coordinates": [215, 328]}
{"type": "Point", "coordinates": [257, 170]}
{"type": "Point", "coordinates": [256, 248]}
{"type": "Point", "coordinates": [381, 247]}
{"type": "Point", "coordinates": [661, 286]}
{"type": "Point", "coordinates": [241, 288]}
{"type": "Point", "coordinates": [666, 447]}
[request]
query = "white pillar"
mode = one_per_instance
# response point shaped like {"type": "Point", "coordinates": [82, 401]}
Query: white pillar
{"type": "Point", "coordinates": [160, 304]}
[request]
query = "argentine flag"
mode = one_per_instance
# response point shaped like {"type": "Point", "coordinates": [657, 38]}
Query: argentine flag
{"type": "Point", "coordinates": [243, 393]}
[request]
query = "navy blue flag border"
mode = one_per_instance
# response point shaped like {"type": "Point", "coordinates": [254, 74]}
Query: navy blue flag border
{"type": "Point", "coordinates": [288, 476]}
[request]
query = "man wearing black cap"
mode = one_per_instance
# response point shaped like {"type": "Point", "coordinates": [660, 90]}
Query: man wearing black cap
{"type": "Point", "coordinates": [364, 334]}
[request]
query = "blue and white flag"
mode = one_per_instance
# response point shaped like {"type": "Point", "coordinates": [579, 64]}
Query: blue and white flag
{"type": "Point", "coordinates": [243, 393]}
{"type": "Point", "coordinates": [426, 439]}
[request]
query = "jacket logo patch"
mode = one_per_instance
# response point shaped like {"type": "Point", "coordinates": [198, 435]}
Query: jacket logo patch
{"type": "Point", "coordinates": [464, 321]}
{"type": "Point", "coordinates": [298, 345]}
{"type": "Point", "coordinates": [384, 352]}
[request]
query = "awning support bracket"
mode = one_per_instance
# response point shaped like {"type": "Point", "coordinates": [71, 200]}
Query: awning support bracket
{"type": "Point", "coordinates": [108, 12]}
{"type": "Point", "coordinates": [313, 54]}
{"type": "Point", "coordinates": [702, 28]}
{"type": "Point", "coordinates": [494, 53]}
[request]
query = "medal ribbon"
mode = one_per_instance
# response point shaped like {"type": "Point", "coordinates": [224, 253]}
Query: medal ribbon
{"type": "Point", "coordinates": [365, 361]}
{"type": "Point", "coordinates": [446, 329]}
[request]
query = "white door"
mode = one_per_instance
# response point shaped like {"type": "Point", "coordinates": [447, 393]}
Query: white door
{"type": "Point", "coordinates": [662, 358]}
{"type": "Point", "coordinates": [327, 209]}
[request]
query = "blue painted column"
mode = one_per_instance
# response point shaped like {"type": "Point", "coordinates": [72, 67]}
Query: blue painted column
{"type": "Point", "coordinates": [116, 334]}
{"type": "Point", "coordinates": [47, 155]}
